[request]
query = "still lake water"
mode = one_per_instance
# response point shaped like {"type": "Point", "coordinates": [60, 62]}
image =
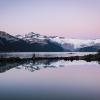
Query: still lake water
{"type": "Point", "coordinates": [43, 54]}
{"type": "Point", "coordinates": [50, 80]}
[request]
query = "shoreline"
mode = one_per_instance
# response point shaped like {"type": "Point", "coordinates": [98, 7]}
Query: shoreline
{"type": "Point", "coordinates": [89, 57]}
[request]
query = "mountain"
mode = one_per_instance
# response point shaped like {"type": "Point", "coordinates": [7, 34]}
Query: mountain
{"type": "Point", "coordinates": [10, 43]}
{"type": "Point", "coordinates": [77, 44]}
{"type": "Point", "coordinates": [33, 42]}
{"type": "Point", "coordinates": [43, 40]}
{"type": "Point", "coordinates": [89, 49]}
{"type": "Point", "coordinates": [68, 45]}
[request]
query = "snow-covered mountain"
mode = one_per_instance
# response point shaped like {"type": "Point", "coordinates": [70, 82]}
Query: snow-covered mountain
{"type": "Point", "coordinates": [66, 44]}
{"type": "Point", "coordinates": [33, 42]}
{"type": "Point", "coordinates": [76, 43]}
{"type": "Point", "coordinates": [9, 43]}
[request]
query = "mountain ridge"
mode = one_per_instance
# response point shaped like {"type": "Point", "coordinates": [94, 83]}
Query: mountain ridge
{"type": "Point", "coordinates": [33, 42]}
{"type": "Point", "coordinates": [9, 43]}
{"type": "Point", "coordinates": [66, 44]}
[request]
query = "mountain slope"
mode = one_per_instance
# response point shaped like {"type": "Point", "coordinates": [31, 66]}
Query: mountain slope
{"type": "Point", "coordinates": [89, 49]}
{"type": "Point", "coordinates": [10, 43]}
{"type": "Point", "coordinates": [67, 44]}
{"type": "Point", "coordinates": [33, 42]}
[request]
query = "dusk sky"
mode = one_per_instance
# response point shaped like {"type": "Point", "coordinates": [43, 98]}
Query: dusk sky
{"type": "Point", "coordinates": [68, 18]}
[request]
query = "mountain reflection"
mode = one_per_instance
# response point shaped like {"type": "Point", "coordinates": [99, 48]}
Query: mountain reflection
{"type": "Point", "coordinates": [37, 65]}
{"type": "Point", "coordinates": [5, 66]}
{"type": "Point", "coordinates": [33, 65]}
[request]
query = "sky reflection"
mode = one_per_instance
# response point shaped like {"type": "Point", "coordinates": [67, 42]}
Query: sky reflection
{"type": "Point", "coordinates": [67, 79]}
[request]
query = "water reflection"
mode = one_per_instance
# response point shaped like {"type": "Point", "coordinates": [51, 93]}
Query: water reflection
{"type": "Point", "coordinates": [4, 66]}
{"type": "Point", "coordinates": [30, 65]}
{"type": "Point", "coordinates": [33, 65]}
{"type": "Point", "coordinates": [49, 80]}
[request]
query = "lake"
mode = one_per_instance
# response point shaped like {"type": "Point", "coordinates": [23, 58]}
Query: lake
{"type": "Point", "coordinates": [43, 54]}
{"type": "Point", "coordinates": [50, 80]}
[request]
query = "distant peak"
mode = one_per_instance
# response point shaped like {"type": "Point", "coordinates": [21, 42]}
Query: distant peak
{"type": "Point", "coordinates": [31, 33]}
{"type": "Point", "coordinates": [2, 32]}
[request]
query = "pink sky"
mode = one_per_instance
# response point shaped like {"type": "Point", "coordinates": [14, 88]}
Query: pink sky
{"type": "Point", "coordinates": [68, 18]}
